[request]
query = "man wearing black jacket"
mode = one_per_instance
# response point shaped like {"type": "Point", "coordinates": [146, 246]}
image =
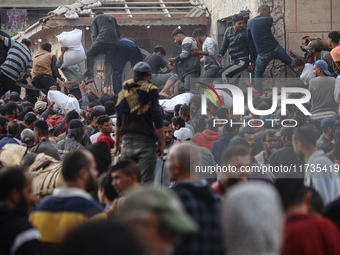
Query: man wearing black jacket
{"type": "Point", "coordinates": [17, 235]}
{"type": "Point", "coordinates": [240, 47]}
{"type": "Point", "coordinates": [105, 33]}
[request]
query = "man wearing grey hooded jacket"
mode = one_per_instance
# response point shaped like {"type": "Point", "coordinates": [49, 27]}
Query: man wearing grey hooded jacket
{"type": "Point", "coordinates": [105, 33]}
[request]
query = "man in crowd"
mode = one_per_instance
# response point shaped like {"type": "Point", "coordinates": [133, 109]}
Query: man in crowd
{"type": "Point", "coordinates": [208, 136]}
{"type": "Point", "coordinates": [157, 218]}
{"type": "Point", "coordinates": [17, 235]}
{"type": "Point", "coordinates": [314, 49]}
{"type": "Point", "coordinates": [41, 137]}
{"type": "Point", "coordinates": [139, 122]}
{"type": "Point", "coordinates": [333, 43]}
{"type": "Point", "coordinates": [3, 48]}
{"type": "Point", "coordinates": [105, 33]}
{"type": "Point", "coordinates": [270, 144]}
{"type": "Point", "coordinates": [285, 156]}
{"type": "Point", "coordinates": [190, 64]}
{"type": "Point", "coordinates": [304, 70]}
{"type": "Point", "coordinates": [325, 181]}
{"type": "Point", "coordinates": [162, 79]}
{"type": "Point", "coordinates": [306, 57]}
{"type": "Point", "coordinates": [30, 119]}
{"type": "Point", "coordinates": [237, 157]}
{"type": "Point", "coordinates": [303, 232]}
{"type": "Point", "coordinates": [18, 61]}
{"type": "Point", "coordinates": [92, 128]}
{"type": "Point", "coordinates": [161, 177]}
{"type": "Point", "coordinates": [209, 53]}
{"type": "Point", "coordinates": [199, 200]}
{"type": "Point", "coordinates": [12, 110]}
{"type": "Point", "coordinates": [127, 50]}
{"type": "Point", "coordinates": [71, 205]}
{"type": "Point", "coordinates": [125, 176]}
{"type": "Point", "coordinates": [13, 133]}
{"type": "Point", "coordinates": [267, 47]}
{"type": "Point", "coordinates": [105, 127]}
{"type": "Point", "coordinates": [322, 92]}
{"type": "Point", "coordinates": [324, 142]}
{"type": "Point", "coordinates": [45, 72]}
{"type": "Point", "coordinates": [240, 48]}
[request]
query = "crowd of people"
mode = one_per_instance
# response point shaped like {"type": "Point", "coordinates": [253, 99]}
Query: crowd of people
{"type": "Point", "coordinates": [121, 174]}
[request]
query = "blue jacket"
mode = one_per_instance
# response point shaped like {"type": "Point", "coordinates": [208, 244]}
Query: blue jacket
{"type": "Point", "coordinates": [10, 139]}
{"type": "Point", "coordinates": [220, 145]}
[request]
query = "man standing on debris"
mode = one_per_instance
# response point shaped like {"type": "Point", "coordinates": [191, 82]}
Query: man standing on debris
{"type": "Point", "coordinates": [105, 33]}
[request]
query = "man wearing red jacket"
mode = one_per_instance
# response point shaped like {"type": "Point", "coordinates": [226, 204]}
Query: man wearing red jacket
{"type": "Point", "coordinates": [208, 136]}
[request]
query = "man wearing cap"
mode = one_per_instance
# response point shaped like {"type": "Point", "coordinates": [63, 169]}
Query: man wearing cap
{"type": "Point", "coordinates": [40, 106]}
{"type": "Point", "coordinates": [322, 93]}
{"type": "Point", "coordinates": [285, 156]}
{"type": "Point", "coordinates": [104, 33]}
{"type": "Point", "coordinates": [319, 170]}
{"type": "Point", "coordinates": [190, 64]}
{"type": "Point", "coordinates": [324, 142]}
{"type": "Point", "coordinates": [314, 49]}
{"type": "Point", "coordinates": [156, 217]}
{"type": "Point", "coordinates": [199, 200]}
{"type": "Point", "coordinates": [183, 134]}
{"type": "Point", "coordinates": [29, 120]}
{"type": "Point", "coordinates": [140, 122]}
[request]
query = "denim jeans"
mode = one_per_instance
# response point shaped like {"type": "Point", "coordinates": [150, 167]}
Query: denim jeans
{"type": "Point", "coordinates": [127, 51]}
{"type": "Point", "coordinates": [262, 61]}
{"type": "Point", "coordinates": [98, 48]}
{"type": "Point", "coordinates": [144, 152]}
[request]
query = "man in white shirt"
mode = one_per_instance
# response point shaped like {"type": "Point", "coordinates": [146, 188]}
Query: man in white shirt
{"type": "Point", "coordinates": [305, 70]}
{"type": "Point", "coordinates": [209, 52]}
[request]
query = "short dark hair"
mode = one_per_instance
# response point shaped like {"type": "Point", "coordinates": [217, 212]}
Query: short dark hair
{"type": "Point", "coordinates": [3, 120]}
{"type": "Point", "coordinates": [298, 62]}
{"type": "Point", "coordinates": [291, 190]}
{"type": "Point", "coordinates": [335, 36]}
{"type": "Point", "coordinates": [238, 150]}
{"type": "Point", "coordinates": [198, 32]}
{"type": "Point", "coordinates": [71, 116]}
{"type": "Point", "coordinates": [73, 163]}
{"type": "Point", "coordinates": [97, 113]}
{"type": "Point", "coordinates": [237, 17]}
{"type": "Point", "coordinates": [178, 120]}
{"type": "Point", "coordinates": [11, 178]}
{"type": "Point", "coordinates": [306, 39]}
{"type": "Point", "coordinates": [177, 31]}
{"type": "Point", "coordinates": [93, 104]}
{"type": "Point", "coordinates": [159, 48]}
{"type": "Point", "coordinates": [26, 41]}
{"type": "Point", "coordinates": [306, 136]}
{"type": "Point", "coordinates": [42, 126]}
{"type": "Point", "coordinates": [222, 112]}
{"type": "Point", "coordinates": [13, 127]}
{"type": "Point", "coordinates": [316, 200]}
{"type": "Point", "coordinates": [184, 110]}
{"type": "Point", "coordinates": [263, 7]}
{"type": "Point", "coordinates": [104, 98]}
{"type": "Point", "coordinates": [10, 106]}
{"type": "Point", "coordinates": [269, 133]}
{"type": "Point", "coordinates": [102, 119]}
{"type": "Point", "coordinates": [105, 182]}
{"type": "Point", "coordinates": [176, 108]}
{"type": "Point", "coordinates": [46, 46]}
{"type": "Point", "coordinates": [166, 123]}
{"type": "Point", "coordinates": [128, 167]}
{"type": "Point", "coordinates": [110, 108]}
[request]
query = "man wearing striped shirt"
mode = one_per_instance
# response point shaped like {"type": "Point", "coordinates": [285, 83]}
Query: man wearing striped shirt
{"type": "Point", "coordinates": [18, 61]}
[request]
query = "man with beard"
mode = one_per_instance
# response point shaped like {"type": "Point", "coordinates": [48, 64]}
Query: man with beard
{"type": "Point", "coordinates": [17, 235]}
{"type": "Point", "coordinates": [318, 170]}
{"type": "Point", "coordinates": [240, 47]}
{"type": "Point", "coordinates": [307, 58]}
{"type": "Point", "coordinates": [324, 142]}
{"type": "Point", "coordinates": [71, 205]}
{"type": "Point", "coordinates": [190, 64]}
{"type": "Point", "coordinates": [270, 144]}
{"type": "Point", "coordinates": [161, 177]}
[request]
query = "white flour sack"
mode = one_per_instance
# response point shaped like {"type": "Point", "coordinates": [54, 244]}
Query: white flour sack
{"type": "Point", "coordinates": [75, 53]}
{"type": "Point", "coordinates": [63, 102]}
